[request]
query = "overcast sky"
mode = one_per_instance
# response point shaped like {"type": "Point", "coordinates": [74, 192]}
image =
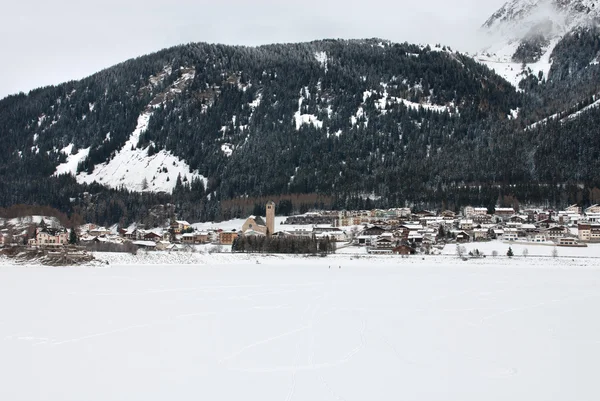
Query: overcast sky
{"type": "Point", "coordinates": [49, 42]}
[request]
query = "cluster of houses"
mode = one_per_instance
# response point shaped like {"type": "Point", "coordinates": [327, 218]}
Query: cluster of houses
{"type": "Point", "coordinates": [398, 230]}
{"type": "Point", "coordinates": [401, 231]}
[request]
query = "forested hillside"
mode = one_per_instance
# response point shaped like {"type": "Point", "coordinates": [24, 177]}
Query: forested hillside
{"type": "Point", "coordinates": [364, 122]}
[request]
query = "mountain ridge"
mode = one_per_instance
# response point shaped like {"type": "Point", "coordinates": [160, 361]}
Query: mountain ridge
{"type": "Point", "coordinates": [199, 124]}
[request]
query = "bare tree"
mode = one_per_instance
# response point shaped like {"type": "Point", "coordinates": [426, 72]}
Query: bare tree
{"type": "Point", "coordinates": [555, 252]}
{"type": "Point", "coordinates": [460, 251]}
{"type": "Point", "coordinates": [494, 253]}
{"type": "Point", "coordinates": [525, 252]}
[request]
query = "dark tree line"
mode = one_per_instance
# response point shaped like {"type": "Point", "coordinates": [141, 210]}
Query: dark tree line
{"type": "Point", "coordinates": [288, 245]}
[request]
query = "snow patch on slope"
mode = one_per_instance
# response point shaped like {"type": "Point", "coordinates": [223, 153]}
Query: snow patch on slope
{"type": "Point", "coordinates": [133, 169]}
{"type": "Point", "coordinates": [305, 119]}
{"type": "Point", "coordinates": [70, 166]}
{"type": "Point", "coordinates": [500, 61]}
{"type": "Point", "coordinates": [323, 59]}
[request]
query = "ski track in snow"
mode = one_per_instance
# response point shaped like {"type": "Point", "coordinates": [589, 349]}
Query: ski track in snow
{"type": "Point", "coordinates": [311, 331]}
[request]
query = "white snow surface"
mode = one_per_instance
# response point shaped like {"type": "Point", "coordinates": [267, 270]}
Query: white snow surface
{"type": "Point", "coordinates": [301, 119]}
{"type": "Point", "coordinates": [285, 328]}
{"type": "Point", "coordinates": [322, 58]}
{"type": "Point", "coordinates": [132, 168]}
{"type": "Point", "coordinates": [70, 166]}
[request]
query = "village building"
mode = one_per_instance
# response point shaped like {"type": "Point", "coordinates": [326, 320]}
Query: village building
{"type": "Point", "coordinates": [594, 209]}
{"type": "Point", "coordinates": [465, 225]}
{"type": "Point", "coordinates": [480, 234]}
{"type": "Point", "coordinates": [593, 217]}
{"type": "Point", "coordinates": [403, 250]}
{"type": "Point", "coordinates": [265, 226]}
{"type": "Point", "coordinates": [574, 209]}
{"type": "Point", "coordinates": [539, 238]}
{"type": "Point", "coordinates": [585, 232]}
{"type": "Point", "coordinates": [227, 237]}
{"type": "Point", "coordinates": [461, 236]}
{"type": "Point", "coordinates": [504, 213]}
{"type": "Point", "coordinates": [556, 232]}
{"type": "Point", "coordinates": [510, 234]}
{"type": "Point", "coordinates": [179, 226]}
{"type": "Point", "coordinates": [568, 242]}
{"type": "Point", "coordinates": [49, 237]}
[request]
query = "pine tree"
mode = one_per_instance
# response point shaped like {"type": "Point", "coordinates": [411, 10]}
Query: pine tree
{"type": "Point", "coordinates": [510, 253]}
{"type": "Point", "coordinates": [73, 240]}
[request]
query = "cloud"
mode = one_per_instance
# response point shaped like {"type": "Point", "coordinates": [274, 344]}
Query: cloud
{"type": "Point", "coordinates": [53, 42]}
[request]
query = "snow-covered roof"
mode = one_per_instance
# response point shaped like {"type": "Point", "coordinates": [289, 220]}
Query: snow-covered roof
{"type": "Point", "coordinates": [144, 243]}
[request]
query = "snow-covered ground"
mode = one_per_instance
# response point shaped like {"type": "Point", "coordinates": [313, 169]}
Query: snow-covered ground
{"type": "Point", "coordinates": [291, 328]}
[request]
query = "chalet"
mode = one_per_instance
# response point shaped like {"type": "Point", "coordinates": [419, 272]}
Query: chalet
{"type": "Point", "coordinates": [301, 232]}
{"type": "Point", "coordinates": [518, 219]}
{"type": "Point", "coordinates": [424, 213]}
{"type": "Point", "coordinates": [469, 212]}
{"type": "Point", "coordinates": [152, 236]}
{"type": "Point", "coordinates": [481, 218]}
{"type": "Point", "coordinates": [568, 242]}
{"type": "Point", "coordinates": [163, 245]}
{"type": "Point", "coordinates": [131, 233]}
{"type": "Point", "coordinates": [539, 238]}
{"type": "Point", "coordinates": [556, 232]}
{"type": "Point", "coordinates": [546, 223]}
{"type": "Point", "coordinates": [465, 225]}
{"type": "Point", "coordinates": [480, 234]}
{"type": "Point", "coordinates": [403, 250]}
{"type": "Point", "coordinates": [593, 217]}
{"type": "Point", "coordinates": [496, 233]}
{"type": "Point", "coordinates": [448, 215]}
{"type": "Point", "coordinates": [414, 237]}
{"type": "Point", "coordinates": [384, 242]}
{"type": "Point", "coordinates": [461, 236]}
{"type": "Point", "coordinates": [227, 237]}
{"type": "Point", "coordinates": [528, 228]}
{"type": "Point", "coordinates": [187, 238]}
{"type": "Point", "coordinates": [504, 212]}
{"type": "Point", "coordinates": [365, 240]}
{"type": "Point", "coordinates": [510, 234]}
{"type": "Point", "coordinates": [594, 209]}
{"type": "Point", "coordinates": [585, 232]}
{"type": "Point", "coordinates": [411, 227]}
{"type": "Point", "coordinates": [180, 226]}
{"type": "Point", "coordinates": [589, 232]}
{"type": "Point", "coordinates": [574, 209]}
{"type": "Point", "coordinates": [374, 230]}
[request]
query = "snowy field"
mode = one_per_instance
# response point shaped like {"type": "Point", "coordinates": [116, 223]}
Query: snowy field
{"type": "Point", "coordinates": [294, 329]}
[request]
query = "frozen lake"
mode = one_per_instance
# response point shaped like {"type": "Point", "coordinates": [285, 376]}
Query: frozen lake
{"type": "Point", "coordinates": [295, 329]}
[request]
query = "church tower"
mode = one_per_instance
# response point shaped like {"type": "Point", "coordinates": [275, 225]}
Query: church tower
{"type": "Point", "coordinates": [270, 213]}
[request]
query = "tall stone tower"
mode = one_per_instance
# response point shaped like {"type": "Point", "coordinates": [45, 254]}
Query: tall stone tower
{"type": "Point", "coordinates": [270, 218]}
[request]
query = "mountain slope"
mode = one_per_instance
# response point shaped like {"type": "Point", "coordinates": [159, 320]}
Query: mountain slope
{"type": "Point", "coordinates": [201, 111]}
{"type": "Point", "coordinates": [354, 122]}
